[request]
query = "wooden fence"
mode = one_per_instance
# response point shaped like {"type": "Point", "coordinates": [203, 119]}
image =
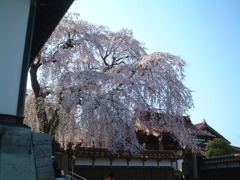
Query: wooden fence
{"type": "Point", "coordinates": [126, 173]}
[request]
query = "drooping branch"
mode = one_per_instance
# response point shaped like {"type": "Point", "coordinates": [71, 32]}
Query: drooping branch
{"type": "Point", "coordinates": [100, 80]}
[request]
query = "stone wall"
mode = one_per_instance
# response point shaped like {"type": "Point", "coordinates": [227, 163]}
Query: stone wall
{"type": "Point", "coordinates": [25, 155]}
{"type": "Point", "coordinates": [42, 148]}
{"type": "Point", "coordinates": [16, 154]}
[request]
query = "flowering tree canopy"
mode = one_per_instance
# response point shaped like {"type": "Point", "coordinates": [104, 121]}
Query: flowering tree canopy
{"type": "Point", "coordinates": [91, 83]}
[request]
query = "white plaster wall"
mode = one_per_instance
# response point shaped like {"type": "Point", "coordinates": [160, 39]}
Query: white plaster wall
{"type": "Point", "coordinates": [222, 165]}
{"type": "Point", "coordinates": [13, 23]}
{"type": "Point", "coordinates": [102, 162]}
{"type": "Point", "coordinates": [83, 162]}
{"type": "Point", "coordinates": [233, 164]}
{"type": "Point", "coordinates": [136, 162]}
{"type": "Point", "coordinates": [119, 162]}
{"type": "Point", "coordinates": [151, 162]}
{"type": "Point", "coordinates": [174, 164]}
{"type": "Point", "coordinates": [179, 164]}
{"type": "Point", "coordinates": [165, 163]}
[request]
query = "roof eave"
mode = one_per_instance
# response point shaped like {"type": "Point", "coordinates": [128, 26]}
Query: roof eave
{"type": "Point", "coordinates": [48, 15]}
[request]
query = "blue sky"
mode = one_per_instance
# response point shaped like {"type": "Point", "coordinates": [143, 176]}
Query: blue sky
{"type": "Point", "coordinates": [206, 34]}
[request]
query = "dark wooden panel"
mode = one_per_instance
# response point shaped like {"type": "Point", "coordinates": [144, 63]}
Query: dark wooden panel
{"type": "Point", "coordinates": [169, 174]}
{"type": "Point", "coordinates": [117, 173]}
{"type": "Point", "coordinates": [224, 173]}
{"type": "Point", "coordinates": [98, 173]}
{"type": "Point", "coordinates": [140, 173]}
{"type": "Point", "coordinates": [105, 172]}
{"type": "Point", "coordinates": [132, 173]}
{"type": "Point", "coordinates": [155, 173]}
{"type": "Point", "coordinates": [147, 173]}
{"type": "Point", "coordinates": [162, 173]}
{"type": "Point", "coordinates": [87, 173]}
{"type": "Point", "coordinates": [125, 173]}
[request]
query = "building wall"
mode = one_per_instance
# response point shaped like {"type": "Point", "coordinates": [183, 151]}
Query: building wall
{"type": "Point", "coordinates": [124, 162]}
{"type": "Point", "coordinates": [13, 23]}
{"type": "Point", "coordinates": [125, 173]}
{"type": "Point", "coordinates": [135, 169]}
{"type": "Point", "coordinates": [25, 155]}
{"type": "Point", "coordinates": [16, 154]}
{"type": "Point", "coordinates": [223, 173]}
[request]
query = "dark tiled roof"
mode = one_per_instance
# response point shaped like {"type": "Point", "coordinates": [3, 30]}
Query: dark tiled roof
{"type": "Point", "coordinates": [165, 128]}
{"type": "Point", "coordinates": [237, 149]}
{"type": "Point", "coordinates": [196, 131]}
{"type": "Point", "coordinates": [104, 153]}
{"type": "Point", "coordinates": [222, 159]}
{"type": "Point", "coordinates": [200, 125]}
{"type": "Point", "coordinates": [205, 127]}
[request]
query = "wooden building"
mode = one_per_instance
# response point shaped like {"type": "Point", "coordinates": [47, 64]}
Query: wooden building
{"type": "Point", "coordinates": [158, 161]}
{"type": "Point", "coordinates": [205, 127]}
{"type": "Point", "coordinates": [222, 167]}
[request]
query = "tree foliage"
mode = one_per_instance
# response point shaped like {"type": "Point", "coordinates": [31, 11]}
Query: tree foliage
{"type": "Point", "coordinates": [90, 83]}
{"type": "Point", "coordinates": [218, 147]}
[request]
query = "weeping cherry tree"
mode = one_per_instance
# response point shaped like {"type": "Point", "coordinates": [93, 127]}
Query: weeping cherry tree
{"type": "Point", "coordinates": [90, 84]}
